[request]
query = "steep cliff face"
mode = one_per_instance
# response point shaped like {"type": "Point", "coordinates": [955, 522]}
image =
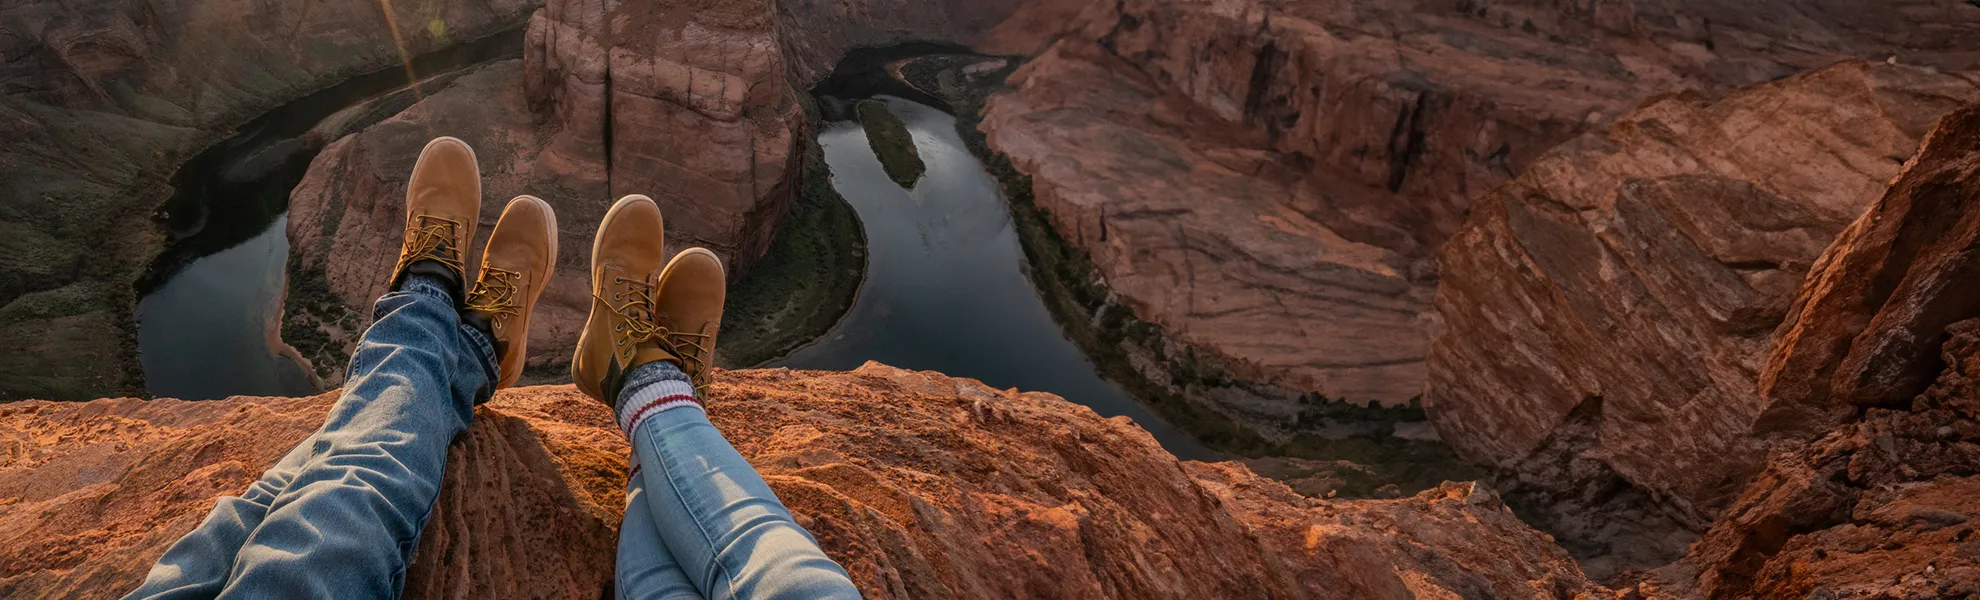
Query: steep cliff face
{"type": "Point", "coordinates": [1878, 359]}
{"type": "Point", "coordinates": [99, 103]}
{"type": "Point", "coordinates": [690, 103]}
{"type": "Point", "coordinates": [921, 485]}
{"type": "Point", "coordinates": [1625, 289]}
{"type": "Point", "coordinates": [1341, 142]}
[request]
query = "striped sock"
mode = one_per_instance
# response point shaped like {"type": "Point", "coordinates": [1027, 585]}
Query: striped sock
{"type": "Point", "coordinates": [651, 388]}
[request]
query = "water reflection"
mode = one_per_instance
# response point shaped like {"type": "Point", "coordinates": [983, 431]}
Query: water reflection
{"type": "Point", "coordinates": [209, 331]}
{"type": "Point", "coordinates": [945, 288]}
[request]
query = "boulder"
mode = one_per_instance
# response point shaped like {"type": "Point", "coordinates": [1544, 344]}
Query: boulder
{"type": "Point", "coordinates": [1867, 329]}
{"type": "Point", "coordinates": [921, 485]}
{"type": "Point", "coordinates": [1606, 316]}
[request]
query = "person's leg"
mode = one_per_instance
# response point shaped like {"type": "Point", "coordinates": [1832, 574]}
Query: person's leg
{"type": "Point", "coordinates": [716, 514]}
{"type": "Point", "coordinates": [196, 566]}
{"type": "Point", "coordinates": [356, 493]}
{"type": "Point", "coordinates": [340, 515]}
{"type": "Point", "coordinates": [645, 351]}
{"type": "Point", "coordinates": [646, 570]}
{"type": "Point", "coordinates": [348, 523]}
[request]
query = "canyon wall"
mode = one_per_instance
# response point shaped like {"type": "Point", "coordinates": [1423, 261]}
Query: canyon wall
{"type": "Point", "coordinates": [1872, 391]}
{"type": "Point", "coordinates": [1268, 181]}
{"type": "Point", "coordinates": [100, 101]}
{"type": "Point", "coordinates": [1607, 314]}
{"type": "Point", "coordinates": [921, 485]}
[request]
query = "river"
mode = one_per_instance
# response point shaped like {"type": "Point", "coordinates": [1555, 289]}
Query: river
{"type": "Point", "coordinates": [945, 283]}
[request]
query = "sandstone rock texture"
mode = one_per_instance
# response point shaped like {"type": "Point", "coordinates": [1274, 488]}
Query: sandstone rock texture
{"type": "Point", "coordinates": [921, 485]}
{"type": "Point", "coordinates": [1606, 315]}
{"type": "Point", "coordinates": [1268, 180]}
{"type": "Point", "coordinates": [1881, 502]}
{"type": "Point", "coordinates": [99, 103]}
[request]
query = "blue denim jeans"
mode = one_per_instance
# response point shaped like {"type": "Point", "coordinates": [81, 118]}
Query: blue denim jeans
{"type": "Point", "coordinates": [701, 523]}
{"type": "Point", "coordinates": [340, 515]}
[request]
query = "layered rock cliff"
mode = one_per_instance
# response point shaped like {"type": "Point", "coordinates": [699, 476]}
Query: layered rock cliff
{"type": "Point", "coordinates": [1267, 181]}
{"type": "Point", "coordinates": [921, 485]}
{"type": "Point", "coordinates": [99, 103]}
{"type": "Point", "coordinates": [1606, 315]}
{"type": "Point", "coordinates": [1872, 393]}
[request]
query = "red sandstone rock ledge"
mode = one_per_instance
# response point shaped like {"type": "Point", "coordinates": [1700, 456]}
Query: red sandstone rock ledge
{"type": "Point", "coordinates": [922, 485]}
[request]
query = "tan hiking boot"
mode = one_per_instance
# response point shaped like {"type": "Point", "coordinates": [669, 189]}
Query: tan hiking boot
{"type": "Point", "coordinates": [626, 259]}
{"type": "Point", "coordinates": [689, 311]}
{"type": "Point", "coordinates": [443, 201]}
{"type": "Point", "coordinates": [515, 268]}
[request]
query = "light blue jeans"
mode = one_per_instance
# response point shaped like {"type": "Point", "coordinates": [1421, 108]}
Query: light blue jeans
{"type": "Point", "coordinates": [700, 522]}
{"type": "Point", "coordinates": [340, 515]}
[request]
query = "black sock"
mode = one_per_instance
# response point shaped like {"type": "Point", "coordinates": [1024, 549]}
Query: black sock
{"type": "Point", "coordinates": [480, 321]}
{"type": "Point", "coordinates": [448, 279]}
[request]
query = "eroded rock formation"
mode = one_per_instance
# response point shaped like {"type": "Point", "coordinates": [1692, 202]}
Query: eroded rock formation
{"type": "Point", "coordinates": [1606, 315]}
{"type": "Point", "coordinates": [101, 100]}
{"type": "Point", "coordinates": [1267, 180]}
{"type": "Point", "coordinates": [921, 485]}
{"type": "Point", "coordinates": [1881, 359]}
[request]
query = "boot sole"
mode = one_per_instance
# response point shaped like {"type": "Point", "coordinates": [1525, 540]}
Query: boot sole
{"type": "Point", "coordinates": [419, 164]}
{"type": "Point", "coordinates": [591, 322]}
{"type": "Point", "coordinates": [471, 225]}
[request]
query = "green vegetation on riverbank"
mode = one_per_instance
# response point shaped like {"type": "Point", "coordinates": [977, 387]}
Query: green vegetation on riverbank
{"type": "Point", "coordinates": [891, 142]}
{"type": "Point", "coordinates": [1122, 345]}
{"type": "Point", "coordinates": [316, 322]}
{"type": "Point", "coordinates": [804, 283]}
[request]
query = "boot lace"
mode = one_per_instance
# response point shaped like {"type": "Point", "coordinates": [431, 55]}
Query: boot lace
{"type": "Point", "coordinates": [495, 294]}
{"type": "Point", "coordinates": [638, 324]}
{"type": "Point", "coordinates": [432, 238]}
